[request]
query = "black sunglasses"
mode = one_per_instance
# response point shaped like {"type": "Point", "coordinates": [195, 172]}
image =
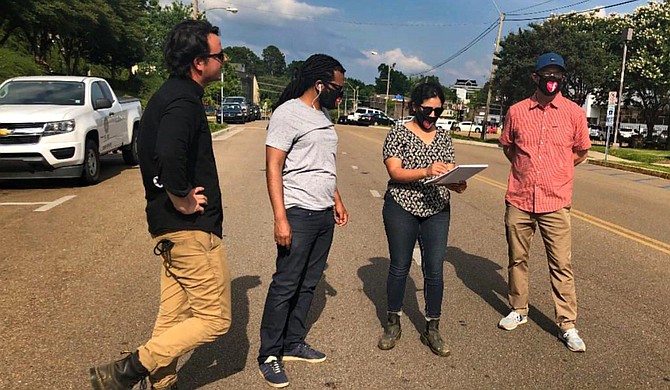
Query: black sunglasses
{"type": "Point", "coordinates": [427, 110]}
{"type": "Point", "coordinates": [337, 87]}
{"type": "Point", "coordinates": [221, 56]}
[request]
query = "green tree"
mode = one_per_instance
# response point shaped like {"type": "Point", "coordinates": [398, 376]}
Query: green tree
{"type": "Point", "coordinates": [293, 67]}
{"type": "Point", "coordinates": [648, 67]}
{"type": "Point", "coordinates": [158, 23]}
{"type": "Point", "coordinates": [243, 55]}
{"type": "Point", "coordinates": [274, 61]}
{"type": "Point", "coordinates": [400, 83]}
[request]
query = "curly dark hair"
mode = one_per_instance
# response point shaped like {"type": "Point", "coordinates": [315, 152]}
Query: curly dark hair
{"type": "Point", "coordinates": [422, 92]}
{"type": "Point", "coordinates": [316, 67]}
{"type": "Point", "coordinates": [186, 42]}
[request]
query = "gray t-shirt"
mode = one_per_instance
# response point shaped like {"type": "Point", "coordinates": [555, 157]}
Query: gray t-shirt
{"type": "Point", "coordinates": [308, 136]}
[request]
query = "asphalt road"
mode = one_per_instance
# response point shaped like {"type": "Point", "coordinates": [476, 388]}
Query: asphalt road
{"type": "Point", "coordinates": [79, 282]}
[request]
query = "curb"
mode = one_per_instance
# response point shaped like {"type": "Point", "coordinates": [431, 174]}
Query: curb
{"type": "Point", "coordinates": [629, 168]}
{"type": "Point", "coordinates": [475, 143]}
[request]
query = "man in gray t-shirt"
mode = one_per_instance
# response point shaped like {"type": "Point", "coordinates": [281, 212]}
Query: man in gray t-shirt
{"type": "Point", "coordinates": [300, 152]}
{"type": "Point", "coordinates": [311, 145]}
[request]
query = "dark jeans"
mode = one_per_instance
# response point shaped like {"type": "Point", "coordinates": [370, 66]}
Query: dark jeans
{"type": "Point", "coordinates": [402, 230]}
{"type": "Point", "coordinates": [299, 269]}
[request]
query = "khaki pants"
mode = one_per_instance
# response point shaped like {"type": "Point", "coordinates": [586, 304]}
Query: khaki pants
{"type": "Point", "coordinates": [556, 233]}
{"type": "Point", "coordinates": [195, 303]}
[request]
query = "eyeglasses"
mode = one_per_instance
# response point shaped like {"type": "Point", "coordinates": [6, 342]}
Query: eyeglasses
{"type": "Point", "coordinates": [427, 110]}
{"type": "Point", "coordinates": [336, 87]}
{"type": "Point", "coordinates": [220, 56]}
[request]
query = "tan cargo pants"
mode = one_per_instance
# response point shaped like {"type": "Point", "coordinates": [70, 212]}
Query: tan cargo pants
{"type": "Point", "coordinates": [195, 303]}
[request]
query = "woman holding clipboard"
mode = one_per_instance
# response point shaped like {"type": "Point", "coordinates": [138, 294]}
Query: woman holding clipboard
{"type": "Point", "coordinates": [413, 209]}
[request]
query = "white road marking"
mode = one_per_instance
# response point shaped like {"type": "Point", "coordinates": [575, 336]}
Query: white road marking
{"type": "Point", "coordinates": [416, 255]}
{"type": "Point", "coordinates": [45, 205]}
{"type": "Point", "coordinates": [375, 194]}
{"type": "Point", "coordinates": [354, 167]}
{"type": "Point", "coordinates": [55, 203]}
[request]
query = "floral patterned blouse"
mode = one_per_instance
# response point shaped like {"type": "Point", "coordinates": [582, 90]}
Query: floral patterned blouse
{"type": "Point", "coordinates": [418, 198]}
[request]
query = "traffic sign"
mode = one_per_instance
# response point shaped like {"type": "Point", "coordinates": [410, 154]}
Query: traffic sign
{"type": "Point", "coordinates": [612, 98]}
{"type": "Point", "coordinates": [609, 121]}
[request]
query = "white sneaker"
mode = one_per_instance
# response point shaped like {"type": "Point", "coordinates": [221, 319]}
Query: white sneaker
{"type": "Point", "coordinates": [512, 320]}
{"type": "Point", "coordinates": [572, 340]}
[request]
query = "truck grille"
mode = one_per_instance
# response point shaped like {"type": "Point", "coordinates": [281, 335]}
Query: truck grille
{"type": "Point", "coordinates": [18, 138]}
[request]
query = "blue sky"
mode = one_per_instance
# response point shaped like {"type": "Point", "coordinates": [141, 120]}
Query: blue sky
{"type": "Point", "coordinates": [416, 35]}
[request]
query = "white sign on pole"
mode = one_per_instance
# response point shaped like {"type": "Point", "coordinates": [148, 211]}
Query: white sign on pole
{"type": "Point", "coordinates": [612, 98]}
{"type": "Point", "coordinates": [609, 120]}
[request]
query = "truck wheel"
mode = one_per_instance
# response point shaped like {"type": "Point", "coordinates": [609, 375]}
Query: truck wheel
{"type": "Point", "coordinates": [129, 152]}
{"type": "Point", "coordinates": [91, 173]}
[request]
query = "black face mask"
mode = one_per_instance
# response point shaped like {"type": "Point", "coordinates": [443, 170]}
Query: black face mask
{"type": "Point", "coordinates": [424, 121]}
{"type": "Point", "coordinates": [329, 98]}
{"type": "Point", "coordinates": [550, 86]}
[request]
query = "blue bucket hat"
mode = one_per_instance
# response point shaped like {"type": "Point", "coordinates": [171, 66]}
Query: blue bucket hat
{"type": "Point", "coordinates": [548, 59]}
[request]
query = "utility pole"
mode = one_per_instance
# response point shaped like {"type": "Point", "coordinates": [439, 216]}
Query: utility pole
{"type": "Point", "coordinates": [501, 19]}
{"type": "Point", "coordinates": [626, 35]}
{"type": "Point", "coordinates": [195, 9]}
{"type": "Point", "coordinates": [388, 84]}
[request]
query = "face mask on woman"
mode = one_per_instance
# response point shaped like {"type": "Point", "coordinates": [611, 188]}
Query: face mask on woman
{"type": "Point", "coordinates": [423, 118]}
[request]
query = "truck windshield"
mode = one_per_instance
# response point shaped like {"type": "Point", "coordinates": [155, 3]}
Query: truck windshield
{"type": "Point", "coordinates": [62, 93]}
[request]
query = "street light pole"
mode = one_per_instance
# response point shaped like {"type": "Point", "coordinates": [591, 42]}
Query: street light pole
{"type": "Point", "coordinates": [493, 71]}
{"type": "Point", "coordinates": [195, 9]}
{"type": "Point", "coordinates": [388, 85]}
{"type": "Point", "coordinates": [626, 35]}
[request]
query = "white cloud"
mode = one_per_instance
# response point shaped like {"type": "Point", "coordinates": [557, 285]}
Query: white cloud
{"type": "Point", "coordinates": [270, 11]}
{"type": "Point", "coordinates": [404, 63]}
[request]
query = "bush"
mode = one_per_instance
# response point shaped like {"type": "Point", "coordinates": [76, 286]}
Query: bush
{"type": "Point", "coordinates": [15, 63]}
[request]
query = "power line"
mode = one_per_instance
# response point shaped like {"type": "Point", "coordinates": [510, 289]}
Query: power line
{"type": "Point", "coordinates": [462, 50]}
{"type": "Point", "coordinates": [532, 6]}
{"type": "Point", "coordinates": [552, 9]}
{"type": "Point", "coordinates": [577, 12]}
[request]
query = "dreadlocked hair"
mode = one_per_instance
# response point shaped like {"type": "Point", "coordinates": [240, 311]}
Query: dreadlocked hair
{"type": "Point", "coordinates": [316, 67]}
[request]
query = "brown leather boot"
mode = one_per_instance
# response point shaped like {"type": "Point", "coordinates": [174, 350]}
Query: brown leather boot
{"type": "Point", "coordinates": [392, 332]}
{"type": "Point", "coordinates": [119, 375]}
{"type": "Point", "coordinates": [431, 337]}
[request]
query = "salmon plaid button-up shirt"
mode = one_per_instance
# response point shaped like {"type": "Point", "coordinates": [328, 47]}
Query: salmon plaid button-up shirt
{"type": "Point", "coordinates": [543, 140]}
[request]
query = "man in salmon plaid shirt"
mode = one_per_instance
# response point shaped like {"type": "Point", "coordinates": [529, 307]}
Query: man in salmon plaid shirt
{"type": "Point", "coordinates": [544, 137]}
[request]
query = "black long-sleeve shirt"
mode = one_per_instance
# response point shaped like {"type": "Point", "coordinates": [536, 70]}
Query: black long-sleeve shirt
{"type": "Point", "coordinates": [175, 153]}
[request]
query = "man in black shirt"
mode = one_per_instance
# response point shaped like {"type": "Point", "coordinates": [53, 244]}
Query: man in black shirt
{"type": "Point", "coordinates": [184, 214]}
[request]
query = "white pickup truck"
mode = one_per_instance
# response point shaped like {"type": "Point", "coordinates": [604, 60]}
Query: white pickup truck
{"type": "Point", "coordinates": [59, 126]}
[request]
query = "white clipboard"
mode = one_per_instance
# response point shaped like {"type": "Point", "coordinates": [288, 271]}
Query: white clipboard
{"type": "Point", "coordinates": [458, 174]}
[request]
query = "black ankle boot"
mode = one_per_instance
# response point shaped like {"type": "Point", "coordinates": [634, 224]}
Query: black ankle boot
{"type": "Point", "coordinates": [392, 332]}
{"type": "Point", "coordinates": [431, 337]}
{"type": "Point", "coordinates": [119, 375]}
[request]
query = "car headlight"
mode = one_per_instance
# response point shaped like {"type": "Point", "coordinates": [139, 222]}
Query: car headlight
{"type": "Point", "coordinates": [60, 127]}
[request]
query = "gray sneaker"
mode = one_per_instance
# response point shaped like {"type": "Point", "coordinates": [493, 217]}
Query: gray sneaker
{"type": "Point", "coordinates": [512, 320]}
{"type": "Point", "coordinates": [572, 340]}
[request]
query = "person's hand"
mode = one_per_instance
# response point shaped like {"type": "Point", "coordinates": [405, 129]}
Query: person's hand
{"type": "Point", "coordinates": [341, 214]}
{"type": "Point", "coordinates": [282, 232]}
{"type": "Point", "coordinates": [458, 187]}
{"type": "Point", "coordinates": [438, 168]}
{"type": "Point", "coordinates": [193, 202]}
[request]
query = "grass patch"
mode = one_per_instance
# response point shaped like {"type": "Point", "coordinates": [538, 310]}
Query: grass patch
{"type": "Point", "coordinates": [213, 126]}
{"type": "Point", "coordinates": [646, 156]}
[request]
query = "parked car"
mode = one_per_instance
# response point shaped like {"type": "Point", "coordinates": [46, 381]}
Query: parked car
{"type": "Point", "coordinates": [59, 126]}
{"type": "Point", "coordinates": [232, 113]}
{"type": "Point", "coordinates": [375, 119]}
{"type": "Point", "coordinates": [596, 133]}
{"type": "Point", "coordinates": [355, 116]}
{"type": "Point", "coordinates": [625, 133]}
{"type": "Point", "coordinates": [254, 112]}
{"type": "Point", "coordinates": [406, 119]}
{"type": "Point", "coordinates": [244, 105]}
{"type": "Point", "coordinates": [342, 119]}
{"type": "Point", "coordinates": [467, 126]}
{"type": "Point", "coordinates": [445, 123]}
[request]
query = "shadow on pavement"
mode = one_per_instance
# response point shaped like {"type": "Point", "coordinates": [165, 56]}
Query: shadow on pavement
{"type": "Point", "coordinates": [481, 276]}
{"type": "Point", "coordinates": [228, 354]}
{"type": "Point", "coordinates": [374, 277]}
{"type": "Point", "coordinates": [323, 290]}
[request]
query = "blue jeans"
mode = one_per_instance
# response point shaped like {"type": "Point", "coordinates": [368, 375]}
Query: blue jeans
{"type": "Point", "coordinates": [402, 231]}
{"type": "Point", "coordinates": [299, 269]}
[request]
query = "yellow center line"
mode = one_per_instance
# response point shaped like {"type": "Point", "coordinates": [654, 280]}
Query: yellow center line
{"type": "Point", "coordinates": [595, 221]}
